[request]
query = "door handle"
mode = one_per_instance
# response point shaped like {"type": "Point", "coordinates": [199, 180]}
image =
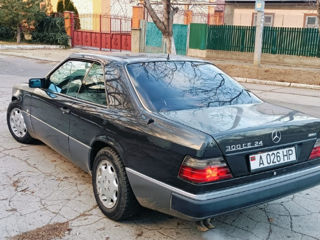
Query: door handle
{"type": "Point", "coordinates": [65, 110]}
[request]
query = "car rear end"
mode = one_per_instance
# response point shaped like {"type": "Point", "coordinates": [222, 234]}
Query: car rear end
{"type": "Point", "coordinates": [258, 151]}
{"type": "Point", "coordinates": [255, 166]}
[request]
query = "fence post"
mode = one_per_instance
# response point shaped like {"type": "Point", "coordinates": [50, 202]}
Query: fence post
{"type": "Point", "coordinates": [67, 22]}
{"type": "Point", "coordinates": [110, 34]}
{"type": "Point", "coordinates": [318, 55]}
{"type": "Point", "coordinates": [275, 33]}
{"type": "Point", "coordinates": [120, 35]}
{"type": "Point", "coordinates": [100, 45]}
{"type": "Point", "coordinates": [72, 28]}
{"type": "Point", "coordinates": [207, 36]}
{"type": "Point", "coordinates": [188, 39]}
{"type": "Point", "coordinates": [143, 33]}
{"type": "Point", "coordinates": [136, 30]}
{"type": "Point", "coordinates": [243, 36]}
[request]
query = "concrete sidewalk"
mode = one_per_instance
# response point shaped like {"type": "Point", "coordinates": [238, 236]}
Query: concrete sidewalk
{"type": "Point", "coordinates": [28, 46]}
{"type": "Point", "coordinates": [52, 55]}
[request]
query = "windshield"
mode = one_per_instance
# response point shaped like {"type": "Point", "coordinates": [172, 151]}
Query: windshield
{"type": "Point", "coordinates": [180, 85]}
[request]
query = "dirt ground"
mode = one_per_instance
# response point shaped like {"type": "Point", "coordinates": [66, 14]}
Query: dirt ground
{"type": "Point", "coordinates": [48, 232]}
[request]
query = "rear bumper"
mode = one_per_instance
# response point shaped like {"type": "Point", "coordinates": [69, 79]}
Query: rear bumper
{"type": "Point", "coordinates": [165, 198]}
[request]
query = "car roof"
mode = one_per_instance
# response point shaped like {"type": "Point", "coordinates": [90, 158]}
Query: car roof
{"type": "Point", "coordinates": [125, 58]}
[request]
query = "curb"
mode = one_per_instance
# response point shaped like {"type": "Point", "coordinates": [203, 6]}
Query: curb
{"type": "Point", "coordinates": [29, 47]}
{"type": "Point", "coordinates": [29, 57]}
{"type": "Point", "coordinates": [275, 83]}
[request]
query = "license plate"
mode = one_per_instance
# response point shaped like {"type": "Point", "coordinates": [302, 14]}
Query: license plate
{"type": "Point", "coordinates": [272, 159]}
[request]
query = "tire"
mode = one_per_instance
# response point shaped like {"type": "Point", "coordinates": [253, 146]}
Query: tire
{"type": "Point", "coordinates": [116, 201]}
{"type": "Point", "coordinates": [16, 123]}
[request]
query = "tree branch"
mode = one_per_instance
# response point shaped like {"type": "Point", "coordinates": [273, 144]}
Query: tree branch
{"type": "Point", "coordinates": [166, 15]}
{"type": "Point", "coordinates": [171, 15]}
{"type": "Point", "coordinates": [154, 16]}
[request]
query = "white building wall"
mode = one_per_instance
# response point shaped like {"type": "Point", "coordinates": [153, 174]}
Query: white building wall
{"type": "Point", "coordinates": [84, 8]}
{"type": "Point", "coordinates": [122, 8]}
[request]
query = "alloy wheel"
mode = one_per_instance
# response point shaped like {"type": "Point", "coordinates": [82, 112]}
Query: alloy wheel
{"type": "Point", "coordinates": [107, 184]}
{"type": "Point", "coordinates": [17, 123]}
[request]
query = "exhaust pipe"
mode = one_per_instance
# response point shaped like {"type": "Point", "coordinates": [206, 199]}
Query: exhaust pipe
{"type": "Point", "coordinates": [205, 225]}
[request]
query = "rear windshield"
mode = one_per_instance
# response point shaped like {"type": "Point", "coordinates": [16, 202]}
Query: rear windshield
{"type": "Point", "coordinates": [180, 85]}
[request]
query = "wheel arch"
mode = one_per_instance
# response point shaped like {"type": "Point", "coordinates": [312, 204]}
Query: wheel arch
{"type": "Point", "coordinates": [101, 142]}
{"type": "Point", "coordinates": [17, 95]}
{"type": "Point", "coordinates": [14, 98]}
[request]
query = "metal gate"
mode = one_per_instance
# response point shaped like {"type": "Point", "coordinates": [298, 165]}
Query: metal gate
{"type": "Point", "coordinates": [101, 32]}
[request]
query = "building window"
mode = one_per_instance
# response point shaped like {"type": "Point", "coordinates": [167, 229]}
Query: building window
{"type": "Point", "coordinates": [311, 21]}
{"type": "Point", "coordinates": [268, 19]}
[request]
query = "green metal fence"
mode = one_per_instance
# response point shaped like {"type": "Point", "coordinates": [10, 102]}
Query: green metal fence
{"type": "Point", "coordinates": [180, 35]}
{"type": "Point", "coordinates": [231, 38]}
{"type": "Point", "coordinates": [154, 38]}
{"type": "Point", "coordinates": [197, 34]}
{"type": "Point", "coordinates": [153, 35]}
{"type": "Point", "coordinates": [289, 41]}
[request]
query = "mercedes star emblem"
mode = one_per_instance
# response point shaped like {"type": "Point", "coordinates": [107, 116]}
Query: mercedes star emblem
{"type": "Point", "coordinates": [276, 136]}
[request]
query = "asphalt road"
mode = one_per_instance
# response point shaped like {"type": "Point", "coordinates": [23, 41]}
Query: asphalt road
{"type": "Point", "coordinates": [39, 188]}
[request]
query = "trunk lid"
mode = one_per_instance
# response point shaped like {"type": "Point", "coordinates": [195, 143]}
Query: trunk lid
{"type": "Point", "coordinates": [243, 130]}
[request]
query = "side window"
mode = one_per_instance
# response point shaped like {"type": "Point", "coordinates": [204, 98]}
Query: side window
{"type": "Point", "coordinates": [268, 19]}
{"type": "Point", "coordinates": [117, 95]}
{"type": "Point", "coordinates": [68, 77]}
{"type": "Point", "coordinates": [311, 21]}
{"type": "Point", "coordinates": [93, 88]}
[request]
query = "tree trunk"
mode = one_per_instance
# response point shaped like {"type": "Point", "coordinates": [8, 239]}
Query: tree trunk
{"type": "Point", "coordinates": [169, 44]}
{"type": "Point", "coordinates": [164, 26]}
{"type": "Point", "coordinates": [18, 34]}
{"type": "Point", "coordinates": [318, 11]}
{"type": "Point", "coordinates": [173, 46]}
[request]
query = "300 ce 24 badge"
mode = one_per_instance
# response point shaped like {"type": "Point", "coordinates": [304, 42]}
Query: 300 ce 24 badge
{"type": "Point", "coordinates": [238, 147]}
{"type": "Point", "coordinates": [175, 135]}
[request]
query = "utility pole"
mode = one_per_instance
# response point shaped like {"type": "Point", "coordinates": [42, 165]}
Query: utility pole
{"type": "Point", "coordinates": [259, 8]}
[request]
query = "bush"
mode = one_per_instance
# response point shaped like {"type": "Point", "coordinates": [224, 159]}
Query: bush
{"type": "Point", "coordinates": [51, 38]}
{"type": "Point", "coordinates": [6, 33]}
{"type": "Point", "coordinates": [50, 30]}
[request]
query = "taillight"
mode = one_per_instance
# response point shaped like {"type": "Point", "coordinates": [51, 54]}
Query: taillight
{"type": "Point", "coordinates": [315, 151]}
{"type": "Point", "coordinates": [202, 171]}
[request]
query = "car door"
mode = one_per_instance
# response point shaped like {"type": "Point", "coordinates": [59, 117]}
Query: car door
{"type": "Point", "coordinates": [99, 114]}
{"type": "Point", "coordinates": [50, 107]}
{"type": "Point", "coordinates": [86, 118]}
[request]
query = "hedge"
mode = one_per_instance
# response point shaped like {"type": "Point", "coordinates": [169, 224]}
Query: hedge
{"type": "Point", "coordinates": [50, 30]}
{"type": "Point", "coordinates": [6, 33]}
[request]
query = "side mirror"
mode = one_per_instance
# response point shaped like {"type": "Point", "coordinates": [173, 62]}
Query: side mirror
{"type": "Point", "coordinates": [36, 82]}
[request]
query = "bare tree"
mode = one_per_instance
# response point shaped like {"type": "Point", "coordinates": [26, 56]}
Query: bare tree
{"type": "Point", "coordinates": [165, 25]}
